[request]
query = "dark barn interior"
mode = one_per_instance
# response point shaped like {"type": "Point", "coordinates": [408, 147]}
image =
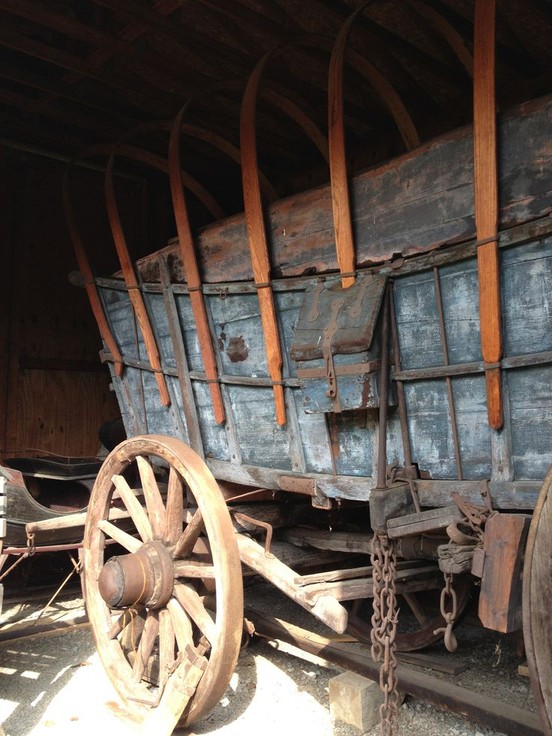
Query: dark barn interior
{"type": "Point", "coordinates": [76, 74]}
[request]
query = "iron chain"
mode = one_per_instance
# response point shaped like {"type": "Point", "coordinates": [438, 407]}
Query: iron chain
{"type": "Point", "coordinates": [449, 616]}
{"type": "Point", "coordinates": [384, 627]}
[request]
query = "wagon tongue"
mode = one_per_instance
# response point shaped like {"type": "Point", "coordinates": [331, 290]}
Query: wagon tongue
{"type": "Point", "coordinates": [145, 577]}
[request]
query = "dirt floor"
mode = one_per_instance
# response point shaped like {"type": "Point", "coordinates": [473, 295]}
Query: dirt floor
{"type": "Point", "coordinates": [54, 683]}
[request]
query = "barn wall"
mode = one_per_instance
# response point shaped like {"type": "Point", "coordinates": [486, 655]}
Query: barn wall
{"type": "Point", "coordinates": [54, 392]}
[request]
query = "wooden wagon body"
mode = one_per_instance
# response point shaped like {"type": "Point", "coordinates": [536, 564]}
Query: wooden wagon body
{"type": "Point", "coordinates": [403, 211]}
{"type": "Point", "coordinates": [363, 368]}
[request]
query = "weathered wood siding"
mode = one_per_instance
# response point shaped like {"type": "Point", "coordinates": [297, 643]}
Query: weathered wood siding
{"type": "Point", "coordinates": [346, 444]}
{"type": "Point", "coordinates": [414, 203]}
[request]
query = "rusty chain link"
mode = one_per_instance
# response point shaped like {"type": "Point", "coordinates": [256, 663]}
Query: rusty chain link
{"type": "Point", "coordinates": [448, 592]}
{"type": "Point", "coordinates": [384, 627]}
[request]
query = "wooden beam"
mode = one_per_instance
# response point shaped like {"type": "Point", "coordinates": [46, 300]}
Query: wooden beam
{"type": "Point", "coordinates": [133, 94]}
{"type": "Point", "coordinates": [144, 61]}
{"type": "Point", "coordinates": [500, 595]}
{"type": "Point", "coordinates": [191, 270]}
{"type": "Point", "coordinates": [448, 32]}
{"type": "Point", "coordinates": [7, 289]}
{"type": "Point", "coordinates": [53, 89]}
{"type": "Point", "coordinates": [236, 63]}
{"type": "Point", "coordinates": [130, 33]}
{"type": "Point", "coordinates": [106, 129]}
{"type": "Point", "coordinates": [24, 133]}
{"type": "Point", "coordinates": [258, 240]}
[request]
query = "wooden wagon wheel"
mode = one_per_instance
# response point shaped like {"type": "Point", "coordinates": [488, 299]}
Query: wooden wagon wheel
{"type": "Point", "coordinates": [419, 617]}
{"type": "Point", "coordinates": [167, 614]}
{"type": "Point", "coordinates": [537, 592]}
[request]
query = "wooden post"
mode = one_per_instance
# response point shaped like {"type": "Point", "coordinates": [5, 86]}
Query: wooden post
{"type": "Point", "coordinates": [500, 597]}
{"type": "Point", "coordinates": [88, 276]}
{"type": "Point", "coordinates": [131, 281]}
{"type": "Point", "coordinates": [258, 242]}
{"type": "Point", "coordinates": [191, 270]}
{"type": "Point", "coordinates": [486, 204]}
{"type": "Point", "coordinates": [341, 206]}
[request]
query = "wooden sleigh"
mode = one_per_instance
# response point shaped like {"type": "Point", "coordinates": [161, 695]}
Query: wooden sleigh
{"type": "Point", "coordinates": [371, 357]}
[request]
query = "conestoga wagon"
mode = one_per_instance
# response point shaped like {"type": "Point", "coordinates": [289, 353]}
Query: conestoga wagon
{"type": "Point", "coordinates": [361, 369]}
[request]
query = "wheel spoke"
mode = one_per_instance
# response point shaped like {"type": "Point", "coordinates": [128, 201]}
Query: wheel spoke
{"type": "Point", "coordinates": [175, 508]}
{"type": "Point", "coordinates": [189, 536]}
{"type": "Point", "coordinates": [127, 617]}
{"type": "Point", "coordinates": [417, 609]}
{"type": "Point", "coordinates": [135, 508]}
{"type": "Point", "coordinates": [130, 635]}
{"type": "Point", "coordinates": [145, 648]}
{"type": "Point", "coordinates": [129, 542]}
{"type": "Point", "coordinates": [193, 605]}
{"type": "Point", "coordinates": [181, 625]}
{"type": "Point", "coordinates": [167, 641]}
{"type": "Point", "coordinates": [154, 502]}
{"type": "Point", "coordinates": [193, 569]}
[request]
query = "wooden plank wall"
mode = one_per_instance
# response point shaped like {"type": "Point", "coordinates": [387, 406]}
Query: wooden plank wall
{"type": "Point", "coordinates": [54, 392]}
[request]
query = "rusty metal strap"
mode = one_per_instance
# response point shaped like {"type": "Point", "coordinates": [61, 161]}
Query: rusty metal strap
{"type": "Point", "coordinates": [490, 239]}
{"type": "Point", "coordinates": [349, 369]}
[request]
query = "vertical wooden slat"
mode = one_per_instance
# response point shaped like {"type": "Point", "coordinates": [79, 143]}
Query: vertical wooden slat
{"type": "Point", "coordinates": [191, 270]}
{"type": "Point", "coordinates": [179, 350]}
{"type": "Point", "coordinates": [256, 230]}
{"type": "Point", "coordinates": [448, 379]}
{"type": "Point", "coordinates": [133, 287]}
{"type": "Point", "coordinates": [341, 206]}
{"type": "Point", "coordinates": [486, 203]}
{"type": "Point", "coordinates": [88, 276]}
{"type": "Point", "coordinates": [258, 242]}
{"type": "Point", "coordinates": [401, 398]}
{"type": "Point", "coordinates": [343, 227]}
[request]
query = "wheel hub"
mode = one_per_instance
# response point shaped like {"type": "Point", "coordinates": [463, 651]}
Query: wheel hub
{"type": "Point", "coordinates": [145, 577]}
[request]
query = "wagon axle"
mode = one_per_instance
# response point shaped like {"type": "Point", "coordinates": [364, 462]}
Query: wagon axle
{"type": "Point", "coordinates": [145, 577]}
